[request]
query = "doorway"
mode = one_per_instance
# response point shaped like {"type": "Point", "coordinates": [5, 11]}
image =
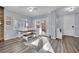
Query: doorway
{"type": "Point", "coordinates": [69, 23]}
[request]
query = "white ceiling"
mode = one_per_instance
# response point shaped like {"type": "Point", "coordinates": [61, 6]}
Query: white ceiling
{"type": "Point", "coordinates": [40, 10]}
{"type": "Point", "coordinates": [65, 10]}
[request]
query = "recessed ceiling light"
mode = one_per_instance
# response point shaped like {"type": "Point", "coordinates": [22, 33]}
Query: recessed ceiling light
{"type": "Point", "coordinates": [31, 9]}
{"type": "Point", "coordinates": [70, 9]}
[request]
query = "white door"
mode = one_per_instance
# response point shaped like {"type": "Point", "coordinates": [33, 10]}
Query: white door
{"type": "Point", "coordinates": [69, 25]}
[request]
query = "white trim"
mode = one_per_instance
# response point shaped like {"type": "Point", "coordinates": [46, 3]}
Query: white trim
{"type": "Point", "coordinates": [53, 37]}
{"type": "Point", "coordinates": [69, 35]}
{"type": "Point", "coordinates": [72, 36]}
{"type": "Point", "coordinates": [76, 36]}
{"type": "Point", "coordinates": [7, 38]}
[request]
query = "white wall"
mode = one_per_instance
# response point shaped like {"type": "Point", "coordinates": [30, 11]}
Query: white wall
{"type": "Point", "coordinates": [41, 19]}
{"type": "Point", "coordinates": [68, 22]}
{"type": "Point", "coordinates": [51, 18]}
{"type": "Point", "coordinates": [76, 23]}
{"type": "Point", "coordinates": [12, 33]}
{"type": "Point", "coordinates": [52, 24]}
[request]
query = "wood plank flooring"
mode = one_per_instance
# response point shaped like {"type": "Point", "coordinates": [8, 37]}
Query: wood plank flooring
{"type": "Point", "coordinates": [13, 46]}
{"type": "Point", "coordinates": [65, 45]}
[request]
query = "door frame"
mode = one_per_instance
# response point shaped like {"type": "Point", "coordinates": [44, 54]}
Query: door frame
{"type": "Point", "coordinates": [73, 29]}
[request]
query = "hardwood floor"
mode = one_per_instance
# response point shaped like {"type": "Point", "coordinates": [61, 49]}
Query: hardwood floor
{"type": "Point", "coordinates": [13, 46]}
{"type": "Point", "coordinates": [65, 45]}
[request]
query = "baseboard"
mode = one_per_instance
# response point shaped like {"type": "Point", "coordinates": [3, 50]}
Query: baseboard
{"type": "Point", "coordinates": [7, 38]}
{"type": "Point", "coordinates": [58, 38]}
{"type": "Point", "coordinates": [53, 37]}
{"type": "Point", "coordinates": [76, 36]}
{"type": "Point", "coordinates": [67, 35]}
{"type": "Point", "coordinates": [70, 36]}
